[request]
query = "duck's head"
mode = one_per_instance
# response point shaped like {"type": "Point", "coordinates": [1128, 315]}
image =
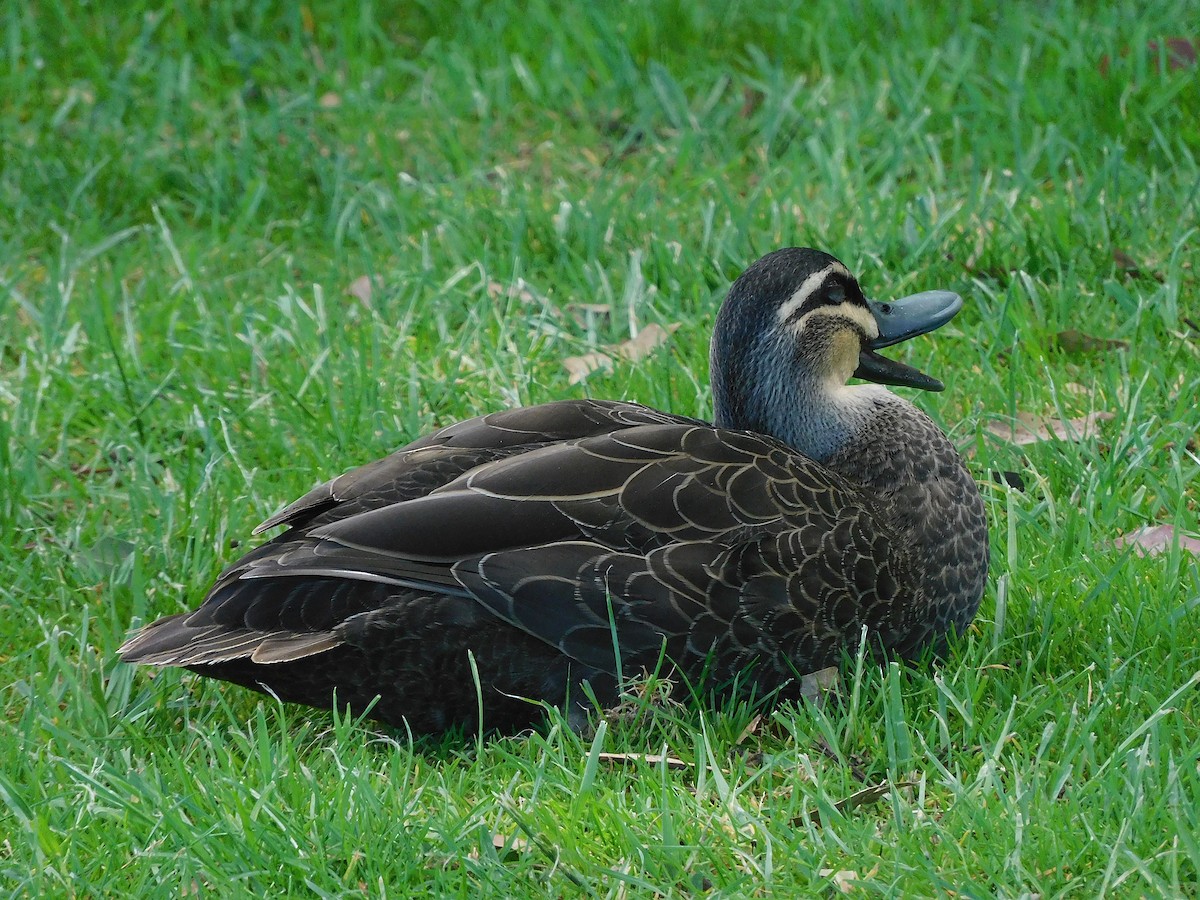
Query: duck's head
{"type": "Point", "coordinates": [794, 329]}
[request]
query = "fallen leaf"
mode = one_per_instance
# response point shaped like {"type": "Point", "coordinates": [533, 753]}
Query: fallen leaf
{"type": "Point", "coordinates": [585, 314]}
{"type": "Point", "coordinates": [1154, 539]}
{"type": "Point", "coordinates": [816, 686]}
{"type": "Point", "coordinates": [580, 367]}
{"type": "Point", "coordinates": [1072, 341]}
{"type": "Point", "coordinates": [634, 350]}
{"type": "Point", "coordinates": [86, 470]}
{"type": "Point", "coordinates": [750, 729]}
{"type": "Point", "coordinates": [360, 287]}
{"type": "Point", "coordinates": [843, 879]}
{"type": "Point", "coordinates": [653, 759]}
{"type": "Point", "coordinates": [864, 797]}
{"type": "Point", "coordinates": [329, 100]}
{"type": "Point", "coordinates": [1124, 261]}
{"type": "Point", "coordinates": [519, 290]}
{"type": "Point", "coordinates": [502, 841]}
{"type": "Point", "coordinates": [1130, 266]}
{"type": "Point", "coordinates": [752, 99]}
{"type": "Point", "coordinates": [645, 342]}
{"type": "Point", "coordinates": [507, 847]}
{"type": "Point", "coordinates": [1180, 52]}
{"type": "Point", "coordinates": [1030, 429]}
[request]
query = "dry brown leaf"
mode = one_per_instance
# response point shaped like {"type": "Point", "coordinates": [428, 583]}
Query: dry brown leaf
{"type": "Point", "coordinates": [1180, 52]}
{"type": "Point", "coordinates": [1129, 265]}
{"type": "Point", "coordinates": [508, 847]}
{"type": "Point", "coordinates": [1124, 260]}
{"type": "Point", "coordinates": [843, 879]}
{"type": "Point", "coordinates": [633, 350]}
{"type": "Point", "coordinates": [645, 342]}
{"type": "Point", "coordinates": [584, 314]}
{"type": "Point", "coordinates": [815, 686]}
{"type": "Point", "coordinates": [595, 309]}
{"type": "Point", "coordinates": [1073, 341]}
{"type": "Point", "coordinates": [653, 759]}
{"type": "Point", "coordinates": [1154, 539]}
{"type": "Point", "coordinates": [519, 290]}
{"type": "Point", "coordinates": [752, 99]}
{"type": "Point", "coordinates": [864, 797]}
{"type": "Point", "coordinates": [750, 729]}
{"type": "Point", "coordinates": [360, 287]}
{"type": "Point", "coordinates": [500, 841]}
{"type": "Point", "coordinates": [580, 367]}
{"type": "Point", "coordinates": [1030, 429]}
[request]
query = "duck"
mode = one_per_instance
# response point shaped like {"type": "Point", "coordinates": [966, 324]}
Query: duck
{"type": "Point", "coordinates": [542, 556]}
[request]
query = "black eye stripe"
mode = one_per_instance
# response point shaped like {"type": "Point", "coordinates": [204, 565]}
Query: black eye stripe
{"type": "Point", "coordinates": [833, 291]}
{"type": "Point", "coordinates": [845, 292]}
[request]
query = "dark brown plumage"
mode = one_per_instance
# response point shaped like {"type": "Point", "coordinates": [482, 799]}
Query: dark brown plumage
{"type": "Point", "coordinates": [547, 541]}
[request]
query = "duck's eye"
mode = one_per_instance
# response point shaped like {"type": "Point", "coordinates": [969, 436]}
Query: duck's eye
{"type": "Point", "coordinates": [835, 293]}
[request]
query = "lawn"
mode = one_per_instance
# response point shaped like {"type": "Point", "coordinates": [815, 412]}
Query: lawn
{"type": "Point", "coordinates": [246, 246]}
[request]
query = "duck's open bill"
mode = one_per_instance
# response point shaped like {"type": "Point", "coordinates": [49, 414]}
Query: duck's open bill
{"type": "Point", "coordinates": [900, 320]}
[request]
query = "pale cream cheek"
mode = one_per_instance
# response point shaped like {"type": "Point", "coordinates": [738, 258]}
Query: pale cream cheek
{"type": "Point", "coordinates": [836, 356]}
{"type": "Point", "coordinates": [843, 356]}
{"type": "Point", "coordinates": [847, 312]}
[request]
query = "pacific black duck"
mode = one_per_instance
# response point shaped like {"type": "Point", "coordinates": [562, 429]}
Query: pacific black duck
{"type": "Point", "coordinates": [557, 544]}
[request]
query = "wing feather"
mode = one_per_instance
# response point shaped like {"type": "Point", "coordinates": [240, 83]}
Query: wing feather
{"type": "Point", "coordinates": [574, 522]}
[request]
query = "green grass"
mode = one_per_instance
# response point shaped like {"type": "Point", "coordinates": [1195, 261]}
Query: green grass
{"type": "Point", "coordinates": [185, 198]}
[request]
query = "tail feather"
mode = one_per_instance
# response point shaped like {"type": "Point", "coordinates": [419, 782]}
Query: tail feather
{"type": "Point", "coordinates": [172, 642]}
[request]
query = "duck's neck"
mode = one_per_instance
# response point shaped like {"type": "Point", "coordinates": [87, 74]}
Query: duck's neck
{"type": "Point", "coordinates": [815, 416]}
